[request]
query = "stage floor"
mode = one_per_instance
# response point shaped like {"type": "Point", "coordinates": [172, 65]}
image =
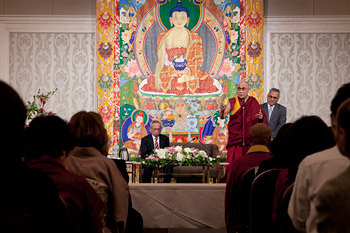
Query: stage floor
{"type": "Point", "coordinates": [180, 206]}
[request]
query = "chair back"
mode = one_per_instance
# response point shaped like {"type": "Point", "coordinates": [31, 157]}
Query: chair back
{"type": "Point", "coordinates": [261, 201]}
{"type": "Point", "coordinates": [102, 191]}
{"type": "Point", "coordinates": [284, 223]}
{"type": "Point", "coordinates": [242, 212]}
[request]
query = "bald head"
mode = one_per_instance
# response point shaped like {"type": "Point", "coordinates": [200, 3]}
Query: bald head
{"type": "Point", "coordinates": [260, 134]}
{"type": "Point", "coordinates": [243, 90]}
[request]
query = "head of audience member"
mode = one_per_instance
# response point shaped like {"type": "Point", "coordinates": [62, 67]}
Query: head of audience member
{"type": "Point", "coordinates": [48, 136]}
{"type": "Point", "coordinates": [89, 131]}
{"type": "Point", "coordinates": [12, 125]}
{"type": "Point", "coordinates": [342, 129]}
{"type": "Point", "coordinates": [309, 135]}
{"type": "Point", "coordinates": [279, 145]}
{"type": "Point", "coordinates": [260, 134]}
{"type": "Point", "coordinates": [155, 128]}
{"type": "Point", "coordinates": [342, 94]}
{"type": "Point", "coordinates": [243, 90]}
{"type": "Point", "coordinates": [273, 96]}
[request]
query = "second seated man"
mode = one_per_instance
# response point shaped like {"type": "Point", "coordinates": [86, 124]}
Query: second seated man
{"type": "Point", "coordinates": [149, 143]}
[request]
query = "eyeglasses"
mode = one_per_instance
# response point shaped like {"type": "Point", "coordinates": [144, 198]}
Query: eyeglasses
{"type": "Point", "coordinates": [273, 97]}
{"type": "Point", "coordinates": [241, 88]}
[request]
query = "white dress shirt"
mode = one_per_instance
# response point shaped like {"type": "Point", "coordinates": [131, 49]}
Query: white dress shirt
{"type": "Point", "coordinates": [313, 172]}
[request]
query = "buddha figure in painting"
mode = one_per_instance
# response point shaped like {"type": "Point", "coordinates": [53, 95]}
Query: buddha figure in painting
{"type": "Point", "coordinates": [180, 55]}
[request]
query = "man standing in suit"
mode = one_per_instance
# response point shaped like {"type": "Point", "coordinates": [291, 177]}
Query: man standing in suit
{"type": "Point", "coordinates": [276, 113]}
{"type": "Point", "coordinates": [155, 140]}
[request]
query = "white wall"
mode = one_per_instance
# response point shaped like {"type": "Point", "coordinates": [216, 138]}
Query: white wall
{"type": "Point", "coordinates": [308, 59]}
{"type": "Point", "coordinates": [47, 53]}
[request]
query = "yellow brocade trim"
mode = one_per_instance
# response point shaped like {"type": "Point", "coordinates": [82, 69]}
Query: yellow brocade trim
{"type": "Point", "coordinates": [258, 148]}
{"type": "Point", "coordinates": [236, 107]}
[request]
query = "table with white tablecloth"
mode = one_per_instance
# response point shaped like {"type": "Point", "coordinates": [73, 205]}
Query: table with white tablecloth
{"type": "Point", "coordinates": [187, 205]}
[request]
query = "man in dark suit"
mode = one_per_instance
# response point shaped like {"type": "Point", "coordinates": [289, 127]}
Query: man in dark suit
{"type": "Point", "coordinates": [276, 113]}
{"type": "Point", "coordinates": [155, 140]}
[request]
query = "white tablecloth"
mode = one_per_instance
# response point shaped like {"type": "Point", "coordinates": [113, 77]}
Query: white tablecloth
{"type": "Point", "coordinates": [180, 205]}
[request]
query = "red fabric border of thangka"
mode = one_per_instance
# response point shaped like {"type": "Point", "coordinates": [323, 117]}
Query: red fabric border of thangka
{"type": "Point", "coordinates": [242, 29]}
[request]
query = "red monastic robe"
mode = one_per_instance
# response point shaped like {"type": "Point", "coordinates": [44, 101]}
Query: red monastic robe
{"type": "Point", "coordinates": [235, 125]}
{"type": "Point", "coordinates": [236, 169]}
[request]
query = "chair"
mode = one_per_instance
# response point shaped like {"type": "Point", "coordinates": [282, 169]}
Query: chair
{"type": "Point", "coordinates": [242, 212]}
{"type": "Point", "coordinates": [102, 191]}
{"type": "Point", "coordinates": [261, 200]}
{"type": "Point", "coordinates": [284, 223]}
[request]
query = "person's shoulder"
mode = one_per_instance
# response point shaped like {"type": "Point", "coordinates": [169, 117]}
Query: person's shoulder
{"type": "Point", "coordinates": [331, 154]}
{"type": "Point", "coordinates": [281, 106]}
{"type": "Point", "coordinates": [253, 99]}
{"type": "Point", "coordinates": [147, 137]}
{"type": "Point", "coordinates": [264, 104]}
{"type": "Point", "coordinates": [163, 136]}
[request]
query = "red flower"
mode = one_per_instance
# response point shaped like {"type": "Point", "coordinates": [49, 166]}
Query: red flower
{"type": "Point", "coordinates": [254, 49]}
{"type": "Point", "coordinates": [106, 113]}
{"type": "Point", "coordinates": [254, 19]}
{"type": "Point", "coordinates": [225, 88]}
{"type": "Point", "coordinates": [41, 110]}
{"type": "Point", "coordinates": [135, 87]}
{"type": "Point", "coordinates": [41, 99]}
{"type": "Point", "coordinates": [44, 102]}
{"type": "Point", "coordinates": [105, 20]}
{"type": "Point", "coordinates": [149, 105]}
{"type": "Point", "coordinates": [105, 50]}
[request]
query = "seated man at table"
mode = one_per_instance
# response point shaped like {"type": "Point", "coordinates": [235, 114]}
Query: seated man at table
{"type": "Point", "coordinates": [260, 137]}
{"type": "Point", "coordinates": [149, 143]}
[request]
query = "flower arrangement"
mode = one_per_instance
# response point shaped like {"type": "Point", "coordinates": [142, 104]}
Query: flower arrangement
{"type": "Point", "coordinates": [178, 156]}
{"type": "Point", "coordinates": [34, 108]}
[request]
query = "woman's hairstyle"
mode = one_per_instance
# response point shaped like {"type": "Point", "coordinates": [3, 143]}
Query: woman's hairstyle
{"type": "Point", "coordinates": [48, 135]}
{"type": "Point", "coordinates": [89, 131]}
{"type": "Point", "coordinates": [279, 145]}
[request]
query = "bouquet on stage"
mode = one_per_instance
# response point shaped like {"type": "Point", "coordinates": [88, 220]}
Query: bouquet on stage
{"type": "Point", "coordinates": [178, 156]}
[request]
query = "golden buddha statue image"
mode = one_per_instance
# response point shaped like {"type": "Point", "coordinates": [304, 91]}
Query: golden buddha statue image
{"type": "Point", "coordinates": [179, 60]}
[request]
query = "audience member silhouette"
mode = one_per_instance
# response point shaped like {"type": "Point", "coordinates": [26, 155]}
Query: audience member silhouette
{"type": "Point", "coordinates": [333, 199]}
{"type": "Point", "coordinates": [308, 135]}
{"type": "Point", "coordinates": [279, 150]}
{"type": "Point", "coordinates": [260, 137]}
{"type": "Point", "coordinates": [29, 201]}
{"type": "Point", "coordinates": [313, 172]}
{"type": "Point", "coordinates": [49, 142]}
{"type": "Point", "coordinates": [88, 159]}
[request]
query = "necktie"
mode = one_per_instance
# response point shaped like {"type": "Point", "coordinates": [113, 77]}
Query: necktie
{"type": "Point", "coordinates": [270, 110]}
{"type": "Point", "coordinates": [156, 146]}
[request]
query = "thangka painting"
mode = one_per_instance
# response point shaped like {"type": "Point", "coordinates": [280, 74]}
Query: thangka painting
{"type": "Point", "coordinates": [179, 60]}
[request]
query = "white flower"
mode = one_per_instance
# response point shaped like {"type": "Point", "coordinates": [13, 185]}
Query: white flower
{"type": "Point", "coordinates": [179, 156]}
{"type": "Point", "coordinates": [178, 148]}
{"type": "Point", "coordinates": [161, 154]}
{"type": "Point", "coordinates": [202, 152]}
{"type": "Point", "coordinates": [187, 150]}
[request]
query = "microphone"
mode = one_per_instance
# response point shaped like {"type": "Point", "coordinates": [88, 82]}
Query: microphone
{"type": "Point", "coordinates": [243, 101]}
{"type": "Point", "coordinates": [205, 147]}
{"type": "Point", "coordinates": [189, 141]}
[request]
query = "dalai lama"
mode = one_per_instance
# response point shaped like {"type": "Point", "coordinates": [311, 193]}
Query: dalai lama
{"type": "Point", "coordinates": [241, 105]}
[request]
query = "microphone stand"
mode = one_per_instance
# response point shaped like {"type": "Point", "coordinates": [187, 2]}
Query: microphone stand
{"type": "Point", "coordinates": [243, 107]}
{"type": "Point", "coordinates": [190, 141]}
{"type": "Point", "coordinates": [205, 148]}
